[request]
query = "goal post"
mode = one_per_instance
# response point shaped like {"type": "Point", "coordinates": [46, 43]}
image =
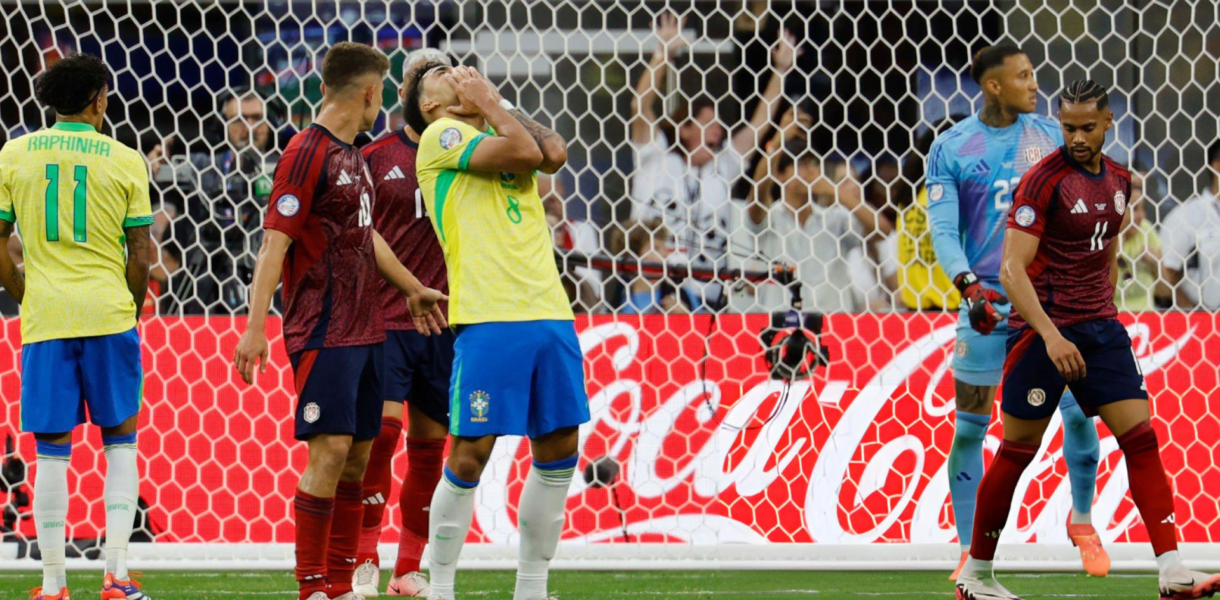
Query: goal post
{"type": "Point", "coordinates": [715, 463]}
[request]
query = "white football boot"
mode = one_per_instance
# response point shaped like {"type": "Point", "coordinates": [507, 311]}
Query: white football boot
{"type": "Point", "coordinates": [1180, 583]}
{"type": "Point", "coordinates": [972, 587]}
{"type": "Point", "coordinates": [366, 579]}
{"type": "Point", "coordinates": [411, 585]}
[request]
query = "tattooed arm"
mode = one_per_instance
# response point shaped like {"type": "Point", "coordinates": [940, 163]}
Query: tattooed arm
{"type": "Point", "coordinates": [10, 276]}
{"type": "Point", "coordinates": [554, 148]}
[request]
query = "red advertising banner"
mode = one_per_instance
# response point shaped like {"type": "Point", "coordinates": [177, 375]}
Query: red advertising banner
{"type": "Point", "coordinates": [711, 450]}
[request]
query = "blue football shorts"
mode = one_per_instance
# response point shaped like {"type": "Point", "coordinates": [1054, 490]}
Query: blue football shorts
{"type": "Point", "coordinates": [62, 378]}
{"type": "Point", "coordinates": [517, 378]}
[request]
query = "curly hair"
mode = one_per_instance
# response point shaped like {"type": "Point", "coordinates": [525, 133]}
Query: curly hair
{"type": "Point", "coordinates": [72, 84]}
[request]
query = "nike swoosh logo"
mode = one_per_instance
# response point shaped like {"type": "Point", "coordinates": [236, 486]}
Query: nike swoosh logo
{"type": "Point", "coordinates": [444, 537]}
{"type": "Point", "coordinates": [1190, 583]}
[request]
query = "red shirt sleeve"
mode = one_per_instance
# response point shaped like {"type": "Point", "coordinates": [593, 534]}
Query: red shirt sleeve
{"type": "Point", "coordinates": [1032, 201]}
{"type": "Point", "coordinates": [297, 176]}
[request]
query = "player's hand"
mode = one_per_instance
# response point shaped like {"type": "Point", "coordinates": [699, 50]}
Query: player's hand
{"type": "Point", "coordinates": [1066, 357]}
{"type": "Point", "coordinates": [669, 32]}
{"type": "Point", "coordinates": [980, 302]}
{"type": "Point", "coordinates": [473, 91]}
{"type": "Point", "coordinates": [252, 349]}
{"type": "Point", "coordinates": [426, 311]}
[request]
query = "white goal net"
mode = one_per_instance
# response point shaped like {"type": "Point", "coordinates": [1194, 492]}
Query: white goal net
{"type": "Point", "coordinates": [667, 229]}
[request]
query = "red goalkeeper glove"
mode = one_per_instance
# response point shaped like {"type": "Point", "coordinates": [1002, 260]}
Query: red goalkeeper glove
{"type": "Point", "coordinates": [980, 302]}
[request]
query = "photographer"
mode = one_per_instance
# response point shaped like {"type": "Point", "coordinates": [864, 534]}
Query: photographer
{"type": "Point", "coordinates": [212, 200]}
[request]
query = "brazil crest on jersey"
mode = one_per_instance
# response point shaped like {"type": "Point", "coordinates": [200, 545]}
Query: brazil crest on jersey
{"type": "Point", "coordinates": [976, 168]}
{"type": "Point", "coordinates": [493, 230]}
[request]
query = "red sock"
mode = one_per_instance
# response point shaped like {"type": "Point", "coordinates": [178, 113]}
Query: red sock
{"type": "Point", "coordinates": [344, 537]}
{"type": "Point", "coordinates": [1150, 486]}
{"type": "Point", "coordinates": [995, 496]}
{"type": "Point", "coordinates": [424, 460]}
{"type": "Point", "coordinates": [377, 481]}
{"type": "Point", "coordinates": [313, 517]}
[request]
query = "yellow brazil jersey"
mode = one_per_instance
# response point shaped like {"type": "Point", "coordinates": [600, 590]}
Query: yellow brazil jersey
{"type": "Point", "coordinates": [493, 231]}
{"type": "Point", "coordinates": [72, 191]}
{"type": "Point", "coordinates": [921, 281]}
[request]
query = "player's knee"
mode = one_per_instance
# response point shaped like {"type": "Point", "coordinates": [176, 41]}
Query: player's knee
{"type": "Point", "coordinates": [354, 466]}
{"type": "Point", "coordinates": [468, 468]}
{"type": "Point", "coordinates": [556, 445]}
{"type": "Point", "coordinates": [329, 452]}
{"type": "Point", "coordinates": [974, 399]}
{"type": "Point", "coordinates": [125, 428]}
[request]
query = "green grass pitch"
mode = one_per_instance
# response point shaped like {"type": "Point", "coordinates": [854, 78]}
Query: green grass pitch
{"type": "Point", "coordinates": [603, 585]}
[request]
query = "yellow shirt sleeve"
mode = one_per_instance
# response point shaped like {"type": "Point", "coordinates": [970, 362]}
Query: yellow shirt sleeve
{"type": "Point", "coordinates": [448, 144]}
{"type": "Point", "coordinates": [139, 206]}
{"type": "Point", "coordinates": [6, 195]}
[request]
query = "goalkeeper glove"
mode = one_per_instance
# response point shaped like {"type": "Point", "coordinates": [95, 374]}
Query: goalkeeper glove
{"type": "Point", "coordinates": [980, 302]}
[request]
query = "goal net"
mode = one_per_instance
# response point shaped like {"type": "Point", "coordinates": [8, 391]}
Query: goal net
{"type": "Point", "coordinates": [696, 456]}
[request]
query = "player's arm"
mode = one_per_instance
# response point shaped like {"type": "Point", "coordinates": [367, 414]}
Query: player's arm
{"type": "Point", "coordinates": [253, 347]}
{"type": "Point", "coordinates": [944, 220]}
{"type": "Point", "coordinates": [10, 276]}
{"type": "Point", "coordinates": [423, 301]}
{"type": "Point", "coordinates": [554, 148]}
{"type": "Point", "coordinates": [139, 261]}
{"type": "Point", "coordinates": [512, 149]}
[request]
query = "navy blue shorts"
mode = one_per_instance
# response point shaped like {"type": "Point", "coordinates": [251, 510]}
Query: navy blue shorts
{"type": "Point", "coordinates": [339, 391]}
{"type": "Point", "coordinates": [523, 378]}
{"type": "Point", "coordinates": [417, 370]}
{"type": "Point", "coordinates": [1033, 386]}
{"type": "Point", "coordinates": [59, 378]}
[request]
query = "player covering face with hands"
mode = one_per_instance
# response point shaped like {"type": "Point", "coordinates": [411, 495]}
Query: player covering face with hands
{"type": "Point", "coordinates": [517, 368]}
{"type": "Point", "coordinates": [1059, 269]}
{"type": "Point", "coordinates": [321, 243]}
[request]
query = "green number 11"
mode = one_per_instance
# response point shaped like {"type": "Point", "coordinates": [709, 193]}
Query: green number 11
{"type": "Point", "coordinates": [79, 196]}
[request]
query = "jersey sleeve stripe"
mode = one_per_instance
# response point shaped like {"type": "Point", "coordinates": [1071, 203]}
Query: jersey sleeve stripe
{"type": "Point", "coordinates": [300, 169]}
{"type": "Point", "coordinates": [464, 161]}
{"type": "Point", "coordinates": [1045, 173]}
{"type": "Point", "coordinates": [299, 153]}
{"type": "Point", "coordinates": [8, 215]}
{"type": "Point", "coordinates": [443, 183]}
{"type": "Point", "coordinates": [137, 221]}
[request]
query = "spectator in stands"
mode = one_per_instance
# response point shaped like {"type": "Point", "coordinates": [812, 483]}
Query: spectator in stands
{"type": "Point", "coordinates": [648, 242]}
{"type": "Point", "coordinates": [584, 285]}
{"type": "Point", "coordinates": [818, 219]}
{"type": "Point", "coordinates": [1140, 285]}
{"type": "Point", "coordinates": [685, 166]}
{"type": "Point", "coordinates": [214, 202]}
{"type": "Point", "coordinates": [1191, 235]}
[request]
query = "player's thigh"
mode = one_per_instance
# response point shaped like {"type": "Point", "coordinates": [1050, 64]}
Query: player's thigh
{"type": "Point", "coordinates": [51, 397]}
{"type": "Point", "coordinates": [328, 382]}
{"type": "Point", "coordinates": [556, 445]}
{"type": "Point", "coordinates": [489, 393]}
{"type": "Point", "coordinates": [978, 360]}
{"type": "Point", "coordinates": [1123, 415]}
{"type": "Point", "coordinates": [1112, 373]}
{"type": "Point", "coordinates": [112, 377]}
{"type": "Point", "coordinates": [974, 399]}
{"type": "Point", "coordinates": [558, 393]}
{"type": "Point", "coordinates": [1032, 385]}
{"type": "Point", "coordinates": [432, 358]}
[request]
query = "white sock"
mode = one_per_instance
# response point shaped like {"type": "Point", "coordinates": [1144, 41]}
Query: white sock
{"type": "Point", "coordinates": [51, 513]}
{"type": "Point", "coordinates": [122, 497]}
{"type": "Point", "coordinates": [448, 523]}
{"type": "Point", "coordinates": [1169, 560]}
{"type": "Point", "coordinates": [540, 521]}
{"type": "Point", "coordinates": [1076, 518]}
{"type": "Point", "coordinates": [980, 569]}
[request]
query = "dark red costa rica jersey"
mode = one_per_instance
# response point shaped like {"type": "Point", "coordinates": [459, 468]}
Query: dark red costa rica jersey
{"type": "Point", "coordinates": [399, 216]}
{"type": "Point", "coordinates": [1077, 215]}
{"type": "Point", "coordinates": [322, 198]}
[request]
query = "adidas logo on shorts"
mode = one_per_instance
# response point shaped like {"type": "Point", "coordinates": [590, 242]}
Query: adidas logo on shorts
{"type": "Point", "coordinates": [395, 173]}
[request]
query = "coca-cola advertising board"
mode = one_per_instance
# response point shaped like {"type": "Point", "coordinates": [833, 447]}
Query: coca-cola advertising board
{"type": "Point", "coordinates": [711, 451]}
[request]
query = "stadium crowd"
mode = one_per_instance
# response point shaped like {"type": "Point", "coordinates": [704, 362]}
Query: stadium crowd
{"type": "Point", "coordinates": [703, 193]}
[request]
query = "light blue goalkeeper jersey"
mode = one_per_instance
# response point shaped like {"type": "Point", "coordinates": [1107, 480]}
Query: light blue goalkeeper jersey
{"type": "Point", "coordinates": [973, 170]}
